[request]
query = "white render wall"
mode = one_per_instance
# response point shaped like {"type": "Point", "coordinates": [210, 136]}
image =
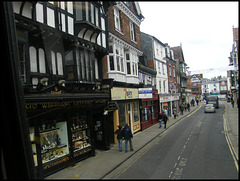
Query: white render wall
{"type": "Point", "coordinates": [160, 65]}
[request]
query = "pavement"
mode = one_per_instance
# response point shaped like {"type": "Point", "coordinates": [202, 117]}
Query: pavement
{"type": "Point", "coordinates": [104, 162]}
{"type": "Point", "coordinates": [231, 119]}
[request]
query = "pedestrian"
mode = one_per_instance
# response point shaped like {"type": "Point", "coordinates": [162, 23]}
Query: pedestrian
{"type": "Point", "coordinates": [185, 106]}
{"type": "Point", "coordinates": [232, 103]}
{"type": "Point", "coordinates": [197, 101]}
{"type": "Point", "coordinates": [165, 118]}
{"type": "Point", "coordinates": [127, 134]}
{"type": "Point", "coordinates": [119, 134]}
{"type": "Point", "coordinates": [175, 112]}
{"type": "Point", "coordinates": [188, 106]}
{"type": "Point", "coordinates": [166, 111]}
{"type": "Point", "coordinates": [160, 119]}
{"type": "Point", "coordinates": [181, 109]}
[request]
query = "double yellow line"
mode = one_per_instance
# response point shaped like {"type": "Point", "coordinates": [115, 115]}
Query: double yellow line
{"type": "Point", "coordinates": [231, 148]}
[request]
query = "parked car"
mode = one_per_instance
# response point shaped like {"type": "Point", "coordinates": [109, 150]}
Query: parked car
{"type": "Point", "coordinates": [209, 108]}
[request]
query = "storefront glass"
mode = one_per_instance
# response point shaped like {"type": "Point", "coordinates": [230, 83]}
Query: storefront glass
{"type": "Point", "coordinates": [122, 114]}
{"type": "Point", "coordinates": [136, 112]}
{"type": "Point", "coordinates": [53, 140]}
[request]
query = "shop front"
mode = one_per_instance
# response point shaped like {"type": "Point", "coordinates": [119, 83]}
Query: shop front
{"type": "Point", "coordinates": [128, 108]}
{"type": "Point", "coordinates": [65, 129]}
{"type": "Point", "coordinates": [148, 107]}
{"type": "Point", "coordinates": [169, 102]}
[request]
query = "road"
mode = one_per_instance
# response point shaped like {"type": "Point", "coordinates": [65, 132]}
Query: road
{"type": "Point", "coordinates": [194, 148]}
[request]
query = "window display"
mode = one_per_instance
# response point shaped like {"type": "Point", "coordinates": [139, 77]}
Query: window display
{"type": "Point", "coordinates": [80, 133]}
{"type": "Point", "coordinates": [53, 140]}
{"type": "Point", "coordinates": [32, 139]}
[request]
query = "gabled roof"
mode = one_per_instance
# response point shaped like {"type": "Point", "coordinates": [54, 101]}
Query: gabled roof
{"type": "Point", "coordinates": [154, 39]}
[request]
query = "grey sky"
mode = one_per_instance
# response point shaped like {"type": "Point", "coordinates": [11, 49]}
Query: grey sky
{"type": "Point", "coordinates": [204, 29]}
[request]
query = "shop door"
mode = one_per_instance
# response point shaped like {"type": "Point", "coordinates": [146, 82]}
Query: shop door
{"type": "Point", "coordinates": [100, 131]}
{"type": "Point", "coordinates": [130, 116]}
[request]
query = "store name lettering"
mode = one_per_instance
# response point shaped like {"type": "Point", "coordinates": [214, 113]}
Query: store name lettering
{"type": "Point", "coordinates": [129, 94]}
{"type": "Point", "coordinates": [56, 105]}
{"type": "Point", "coordinates": [82, 152]}
{"type": "Point", "coordinates": [55, 163]}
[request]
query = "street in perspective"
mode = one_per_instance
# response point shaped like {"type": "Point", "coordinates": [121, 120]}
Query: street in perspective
{"type": "Point", "coordinates": [113, 90]}
{"type": "Point", "coordinates": [195, 145]}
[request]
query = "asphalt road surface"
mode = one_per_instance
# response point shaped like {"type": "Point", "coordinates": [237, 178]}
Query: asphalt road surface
{"type": "Point", "coordinates": [194, 148]}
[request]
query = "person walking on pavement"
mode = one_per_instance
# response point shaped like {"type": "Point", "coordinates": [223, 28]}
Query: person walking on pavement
{"type": "Point", "coordinates": [160, 119]}
{"type": "Point", "coordinates": [197, 101]}
{"type": "Point", "coordinates": [165, 118]}
{"type": "Point", "coordinates": [119, 134]}
{"type": "Point", "coordinates": [232, 103]}
{"type": "Point", "coordinates": [127, 134]}
{"type": "Point", "coordinates": [188, 106]}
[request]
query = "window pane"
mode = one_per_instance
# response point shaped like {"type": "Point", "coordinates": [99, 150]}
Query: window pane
{"type": "Point", "coordinates": [122, 114]}
{"type": "Point", "coordinates": [59, 64]}
{"type": "Point", "coordinates": [128, 68]}
{"type": "Point", "coordinates": [82, 64]}
{"type": "Point", "coordinates": [33, 59]}
{"type": "Point", "coordinates": [53, 63]}
{"type": "Point", "coordinates": [111, 61]}
{"type": "Point", "coordinates": [21, 50]}
{"type": "Point", "coordinates": [42, 66]}
{"type": "Point", "coordinates": [136, 115]}
{"type": "Point", "coordinates": [118, 63]}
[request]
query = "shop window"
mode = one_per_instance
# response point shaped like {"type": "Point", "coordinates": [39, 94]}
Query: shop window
{"type": "Point", "coordinates": [53, 140]}
{"type": "Point", "coordinates": [80, 133]}
{"type": "Point", "coordinates": [144, 115]}
{"type": "Point", "coordinates": [122, 114]}
{"type": "Point", "coordinates": [136, 111]}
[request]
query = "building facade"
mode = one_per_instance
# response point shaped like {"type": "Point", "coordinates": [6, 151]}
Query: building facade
{"type": "Point", "coordinates": [179, 57]}
{"type": "Point", "coordinates": [61, 46]}
{"type": "Point", "coordinates": [233, 61]}
{"type": "Point", "coordinates": [121, 65]}
{"type": "Point", "coordinates": [194, 83]}
{"type": "Point", "coordinates": [155, 52]}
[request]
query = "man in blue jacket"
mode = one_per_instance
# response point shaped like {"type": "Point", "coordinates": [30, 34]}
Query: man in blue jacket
{"type": "Point", "coordinates": [127, 134]}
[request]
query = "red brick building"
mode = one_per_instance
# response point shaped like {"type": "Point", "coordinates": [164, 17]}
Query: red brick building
{"type": "Point", "coordinates": [194, 83]}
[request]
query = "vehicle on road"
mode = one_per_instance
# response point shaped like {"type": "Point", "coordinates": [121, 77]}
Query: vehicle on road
{"type": "Point", "coordinates": [212, 100]}
{"type": "Point", "coordinates": [209, 108]}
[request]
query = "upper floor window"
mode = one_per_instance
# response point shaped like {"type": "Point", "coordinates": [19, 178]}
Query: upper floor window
{"type": "Point", "coordinates": [22, 57]}
{"type": "Point", "coordinates": [163, 69]}
{"type": "Point", "coordinates": [57, 65]}
{"type": "Point", "coordinates": [159, 67]}
{"type": "Point", "coordinates": [117, 19]}
{"type": "Point", "coordinates": [116, 58]}
{"type": "Point", "coordinates": [170, 70]}
{"type": "Point", "coordinates": [37, 60]}
{"type": "Point", "coordinates": [174, 72]}
{"type": "Point", "coordinates": [132, 31]}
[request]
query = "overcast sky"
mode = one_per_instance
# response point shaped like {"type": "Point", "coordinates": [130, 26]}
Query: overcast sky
{"type": "Point", "coordinates": [204, 29]}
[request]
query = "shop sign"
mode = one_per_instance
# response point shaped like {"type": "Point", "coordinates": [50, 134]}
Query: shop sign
{"type": "Point", "coordinates": [118, 93]}
{"type": "Point", "coordinates": [165, 99]}
{"type": "Point", "coordinates": [82, 151]}
{"type": "Point", "coordinates": [50, 105]}
{"type": "Point", "coordinates": [55, 163]}
{"type": "Point", "coordinates": [175, 98]}
{"type": "Point", "coordinates": [145, 93]}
